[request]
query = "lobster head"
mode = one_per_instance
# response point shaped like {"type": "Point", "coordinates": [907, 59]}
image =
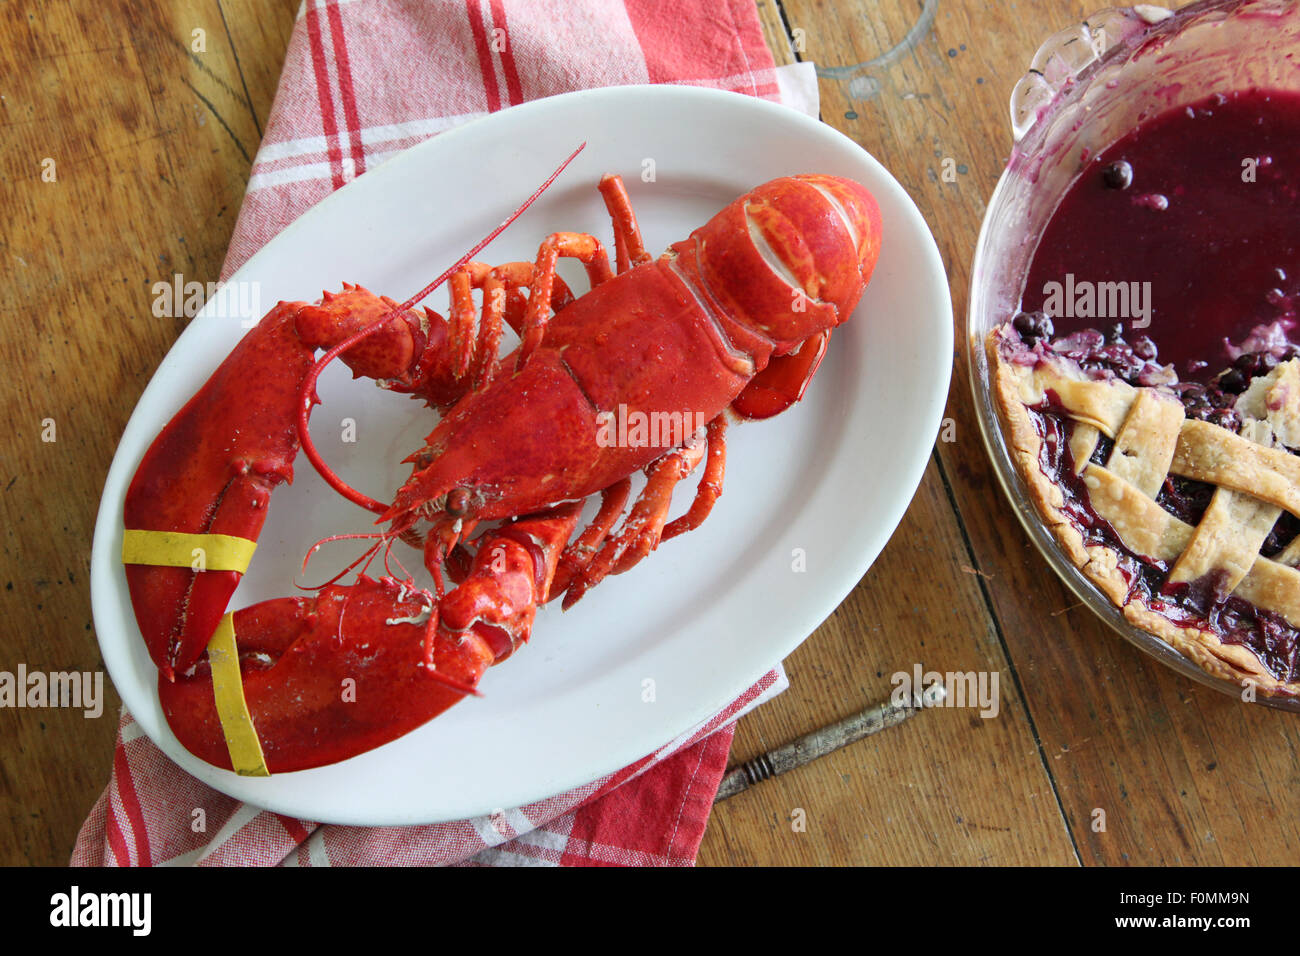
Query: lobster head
{"type": "Point", "coordinates": [791, 258]}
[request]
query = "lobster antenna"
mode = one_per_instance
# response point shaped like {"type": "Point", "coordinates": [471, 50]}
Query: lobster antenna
{"type": "Point", "coordinates": [308, 396]}
{"type": "Point", "coordinates": [493, 234]}
{"type": "Point", "coordinates": [367, 556]}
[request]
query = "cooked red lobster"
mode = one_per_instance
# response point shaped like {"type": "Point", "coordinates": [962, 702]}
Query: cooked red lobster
{"type": "Point", "coordinates": [733, 320]}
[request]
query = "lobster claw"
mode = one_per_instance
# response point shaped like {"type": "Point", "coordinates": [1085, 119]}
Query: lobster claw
{"type": "Point", "coordinates": [323, 678]}
{"type": "Point", "coordinates": [203, 487]}
{"type": "Point", "coordinates": [510, 575]}
{"type": "Point", "coordinates": [320, 679]}
{"type": "Point", "coordinates": [204, 484]}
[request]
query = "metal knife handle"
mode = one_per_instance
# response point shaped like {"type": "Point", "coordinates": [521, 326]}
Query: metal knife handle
{"type": "Point", "coordinates": [825, 740]}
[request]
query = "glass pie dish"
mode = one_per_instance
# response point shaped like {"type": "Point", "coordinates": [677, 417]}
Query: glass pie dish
{"type": "Point", "coordinates": [1087, 87]}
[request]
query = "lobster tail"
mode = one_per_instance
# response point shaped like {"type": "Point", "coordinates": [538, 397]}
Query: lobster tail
{"type": "Point", "coordinates": [860, 214]}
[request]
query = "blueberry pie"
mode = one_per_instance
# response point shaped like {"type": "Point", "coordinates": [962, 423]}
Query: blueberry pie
{"type": "Point", "coordinates": [1178, 500]}
{"type": "Point", "coordinates": [1170, 475]}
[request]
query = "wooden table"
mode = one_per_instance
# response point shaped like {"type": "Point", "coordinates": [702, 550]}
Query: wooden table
{"type": "Point", "coordinates": [152, 144]}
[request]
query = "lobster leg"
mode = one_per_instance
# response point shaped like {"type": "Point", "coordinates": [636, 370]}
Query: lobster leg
{"type": "Point", "coordinates": [502, 300]}
{"type": "Point", "coordinates": [575, 245]}
{"type": "Point", "coordinates": [629, 248]}
{"type": "Point", "coordinates": [641, 531]}
{"type": "Point", "coordinates": [629, 251]}
{"type": "Point", "coordinates": [579, 554]}
{"type": "Point", "coordinates": [460, 284]}
{"type": "Point", "coordinates": [710, 487]}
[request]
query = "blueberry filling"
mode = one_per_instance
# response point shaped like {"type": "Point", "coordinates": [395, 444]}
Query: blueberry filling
{"type": "Point", "coordinates": [1101, 454]}
{"type": "Point", "coordinates": [1283, 533]}
{"type": "Point", "coordinates": [1117, 175]}
{"type": "Point", "coordinates": [1185, 499]}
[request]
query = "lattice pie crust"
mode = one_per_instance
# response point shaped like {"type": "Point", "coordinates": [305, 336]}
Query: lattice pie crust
{"type": "Point", "coordinates": [1256, 479]}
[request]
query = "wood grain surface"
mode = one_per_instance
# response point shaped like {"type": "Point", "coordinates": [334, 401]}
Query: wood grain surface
{"type": "Point", "coordinates": [151, 145]}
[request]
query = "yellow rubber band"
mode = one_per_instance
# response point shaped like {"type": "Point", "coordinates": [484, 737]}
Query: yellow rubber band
{"type": "Point", "coordinates": [232, 709]}
{"type": "Point", "coordinates": [175, 549]}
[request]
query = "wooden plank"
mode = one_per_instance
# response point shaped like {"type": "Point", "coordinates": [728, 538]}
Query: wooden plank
{"type": "Point", "coordinates": [258, 34]}
{"type": "Point", "coordinates": [778, 37]}
{"type": "Point", "coordinates": [150, 141]}
{"type": "Point", "coordinates": [949, 786]}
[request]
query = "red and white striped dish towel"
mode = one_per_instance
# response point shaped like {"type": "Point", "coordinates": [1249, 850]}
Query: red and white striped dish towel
{"type": "Point", "coordinates": [363, 80]}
